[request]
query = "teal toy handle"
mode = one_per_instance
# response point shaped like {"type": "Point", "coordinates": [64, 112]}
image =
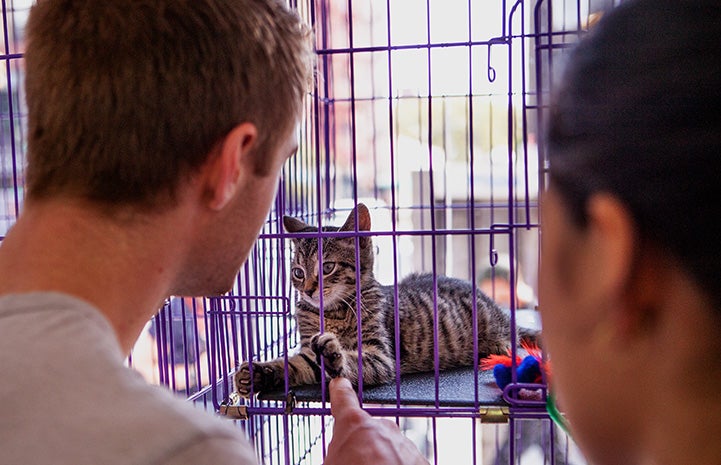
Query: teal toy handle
{"type": "Point", "coordinates": [557, 417]}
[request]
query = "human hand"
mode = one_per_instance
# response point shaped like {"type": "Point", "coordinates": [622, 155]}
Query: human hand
{"type": "Point", "coordinates": [358, 438]}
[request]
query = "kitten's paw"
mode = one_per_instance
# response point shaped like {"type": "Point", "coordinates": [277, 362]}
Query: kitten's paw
{"type": "Point", "coordinates": [327, 347]}
{"type": "Point", "coordinates": [265, 377]}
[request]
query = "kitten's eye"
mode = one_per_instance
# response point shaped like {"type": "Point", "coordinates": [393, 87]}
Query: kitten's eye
{"type": "Point", "coordinates": [298, 273]}
{"type": "Point", "coordinates": [328, 267]}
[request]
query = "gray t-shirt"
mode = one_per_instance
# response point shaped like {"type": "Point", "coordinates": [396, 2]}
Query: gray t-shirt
{"type": "Point", "coordinates": [67, 398]}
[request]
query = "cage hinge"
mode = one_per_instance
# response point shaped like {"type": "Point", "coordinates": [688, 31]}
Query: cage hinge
{"type": "Point", "coordinates": [232, 408]}
{"type": "Point", "coordinates": [494, 414]}
{"type": "Point", "coordinates": [289, 402]}
{"type": "Point", "coordinates": [234, 412]}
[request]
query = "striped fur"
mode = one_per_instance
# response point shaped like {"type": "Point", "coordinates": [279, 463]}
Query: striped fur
{"type": "Point", "coordinates": [337, 347]}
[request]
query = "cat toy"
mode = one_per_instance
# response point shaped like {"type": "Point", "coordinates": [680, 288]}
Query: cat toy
{"type": "Point", "coordinates": [529, 369]}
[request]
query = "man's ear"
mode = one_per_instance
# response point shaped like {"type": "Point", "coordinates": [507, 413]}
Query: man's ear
{"type": "Point", "coordinates": [224, 169]}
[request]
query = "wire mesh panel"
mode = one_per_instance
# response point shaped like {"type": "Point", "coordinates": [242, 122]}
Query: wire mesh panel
{"type": "Point", "coordinates": [428, 113]}
{"type": "Point", "coordinates": [12, 112]}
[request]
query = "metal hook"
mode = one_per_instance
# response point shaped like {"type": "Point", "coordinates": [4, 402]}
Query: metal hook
{"type": "Point", "coordinates": [491, 69]}
{"type": "Point", "coordinates": [492, 252]}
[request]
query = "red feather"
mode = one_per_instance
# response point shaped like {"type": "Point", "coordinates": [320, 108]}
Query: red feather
{"type": "Point", "coordinates": [492, 360]}
{"type": "Point", "coordinates": [536, 351]}
{"type": "Point", "coordinates": [532, 349]}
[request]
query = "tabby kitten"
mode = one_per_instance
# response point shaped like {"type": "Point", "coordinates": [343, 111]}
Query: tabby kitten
{"type": "Point", "coordinates": [338, 345]}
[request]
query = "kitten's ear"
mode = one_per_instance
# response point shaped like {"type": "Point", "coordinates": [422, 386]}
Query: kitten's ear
{"type": "Point", "coordinates": [364, 223]}
{"type": "Point", "coordinates": [364, 219]}
{"type": "Point", "coordinates": [293, 225]}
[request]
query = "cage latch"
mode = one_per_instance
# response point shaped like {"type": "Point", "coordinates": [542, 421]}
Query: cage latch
{"type": "Point", "coordinates": [232, 408]}
{"type": "Point", "coordinates": [289, 402]}
{"type": "Point", "coordinates": [494, 414]}
{"type": "Point", "coordinates": [234, 412]}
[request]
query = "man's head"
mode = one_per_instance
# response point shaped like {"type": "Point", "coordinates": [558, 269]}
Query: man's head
{"type": "Point", "coordinates": [126, 99]}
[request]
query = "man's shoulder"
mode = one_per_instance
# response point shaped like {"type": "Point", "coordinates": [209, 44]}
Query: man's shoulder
{"type": "Point", "coordinates": [61, 361]}
{"type": "Point", "coordinates": [50, 307]}
{"type": "Point", "coordinates": [55, 323]}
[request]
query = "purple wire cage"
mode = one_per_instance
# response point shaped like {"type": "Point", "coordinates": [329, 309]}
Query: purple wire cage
{"type": "Point", "coordinates": [429, 113]}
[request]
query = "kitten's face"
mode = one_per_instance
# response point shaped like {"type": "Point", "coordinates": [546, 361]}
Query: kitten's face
{"type": "Point", "coordinates": [337, 268]}
{"type": "Point", "coordinates": [337, 265]}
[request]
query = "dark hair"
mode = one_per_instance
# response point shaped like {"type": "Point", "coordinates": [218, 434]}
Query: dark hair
{"type": "Point", "coordinates": [126, 97]}
{"type": "Point", "coordinates": [638, 115]}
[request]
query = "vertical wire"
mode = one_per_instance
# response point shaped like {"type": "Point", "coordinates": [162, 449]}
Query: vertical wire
{"type": "Point", "coordinates": [198, 385]}
{"type": "Point", "coordinates": [208, 353]}
{"type": "Point", "coordinates": [331, 109]}
{"type": "Point", "coordinates": [228, 318]}
{"type": "Point", "coordinates": [435, 439]}
{"type": "Point", "coordinates": [320, 21]}
{"type": "Point", "coordinates": [509, 43]}
{"type": "Point", "coordinates": [539, 34]}
{"type": "Point", "coordinates": [373, 98]}
{"type": "Point", "coordinates": [472, 215]}
{"type": "Point", "coordinates": [11, 112]}
{"type": "Point", "coordinates": [354, 177]}
{"type": "Point", "coordinates": [511, 440]}
{"type": "Point", "coordinates": [474, 430]}
{"type": "Point", "coordinates": [436, 361]}
{"type": "Point", "coordinates": [326, 15]}
{"type": "Point", "coordinates": [159, 348]}
{"type": "Point", "coordinates": [511, 187]}
{"type": "Point", "coordinates": [286, 418]}
{"type": "Point", "coordinates": [214, 352]}
{"type": "Point", "coordinates": [186, 348]}
{"type": "Point", "coordinates": [524, 123]}
{"type": "Point", "coordinates": [396, 300]}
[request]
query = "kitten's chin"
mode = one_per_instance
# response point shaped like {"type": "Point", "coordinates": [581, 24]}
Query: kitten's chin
{"type": "Point", "coordinates": [315, 302]}
{"type": "Point", "coordinates": [310, 300]}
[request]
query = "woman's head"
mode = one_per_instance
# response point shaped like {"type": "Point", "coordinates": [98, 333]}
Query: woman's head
{"type": "Point", "coordinates": [638, 115]}
{"type": "Point", "coordinates": [631, 216]}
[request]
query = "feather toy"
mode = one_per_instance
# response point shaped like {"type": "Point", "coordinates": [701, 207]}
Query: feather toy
{"type": "Point", "coordinates": [529, 369]}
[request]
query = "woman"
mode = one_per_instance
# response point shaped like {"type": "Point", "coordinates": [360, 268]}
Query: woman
{"type": "Point", "coordinates": [630, 291]}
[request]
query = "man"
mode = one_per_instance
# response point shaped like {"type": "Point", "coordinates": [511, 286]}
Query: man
{"type": "Point", "coordinates": [157, 130]}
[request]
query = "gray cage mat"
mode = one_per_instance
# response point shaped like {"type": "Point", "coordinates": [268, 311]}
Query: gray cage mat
{"type": "Point", "coordinates": [455, 389]}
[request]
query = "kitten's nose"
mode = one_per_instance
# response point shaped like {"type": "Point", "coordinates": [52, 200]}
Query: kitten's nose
{"type": "Point", "coordinates": [310, 289]}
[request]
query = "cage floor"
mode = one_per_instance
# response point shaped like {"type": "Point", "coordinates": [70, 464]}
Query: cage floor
{"type": "Point", "coordinates": [455, 388]}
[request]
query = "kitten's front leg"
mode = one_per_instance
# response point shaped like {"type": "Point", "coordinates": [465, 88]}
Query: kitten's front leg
{"type": "Point", "coordinates": [378, 366]}
{"type": "Point", "coordinates": [327, 348]}
{"type": "Point", "coordinates": [266, 376]}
